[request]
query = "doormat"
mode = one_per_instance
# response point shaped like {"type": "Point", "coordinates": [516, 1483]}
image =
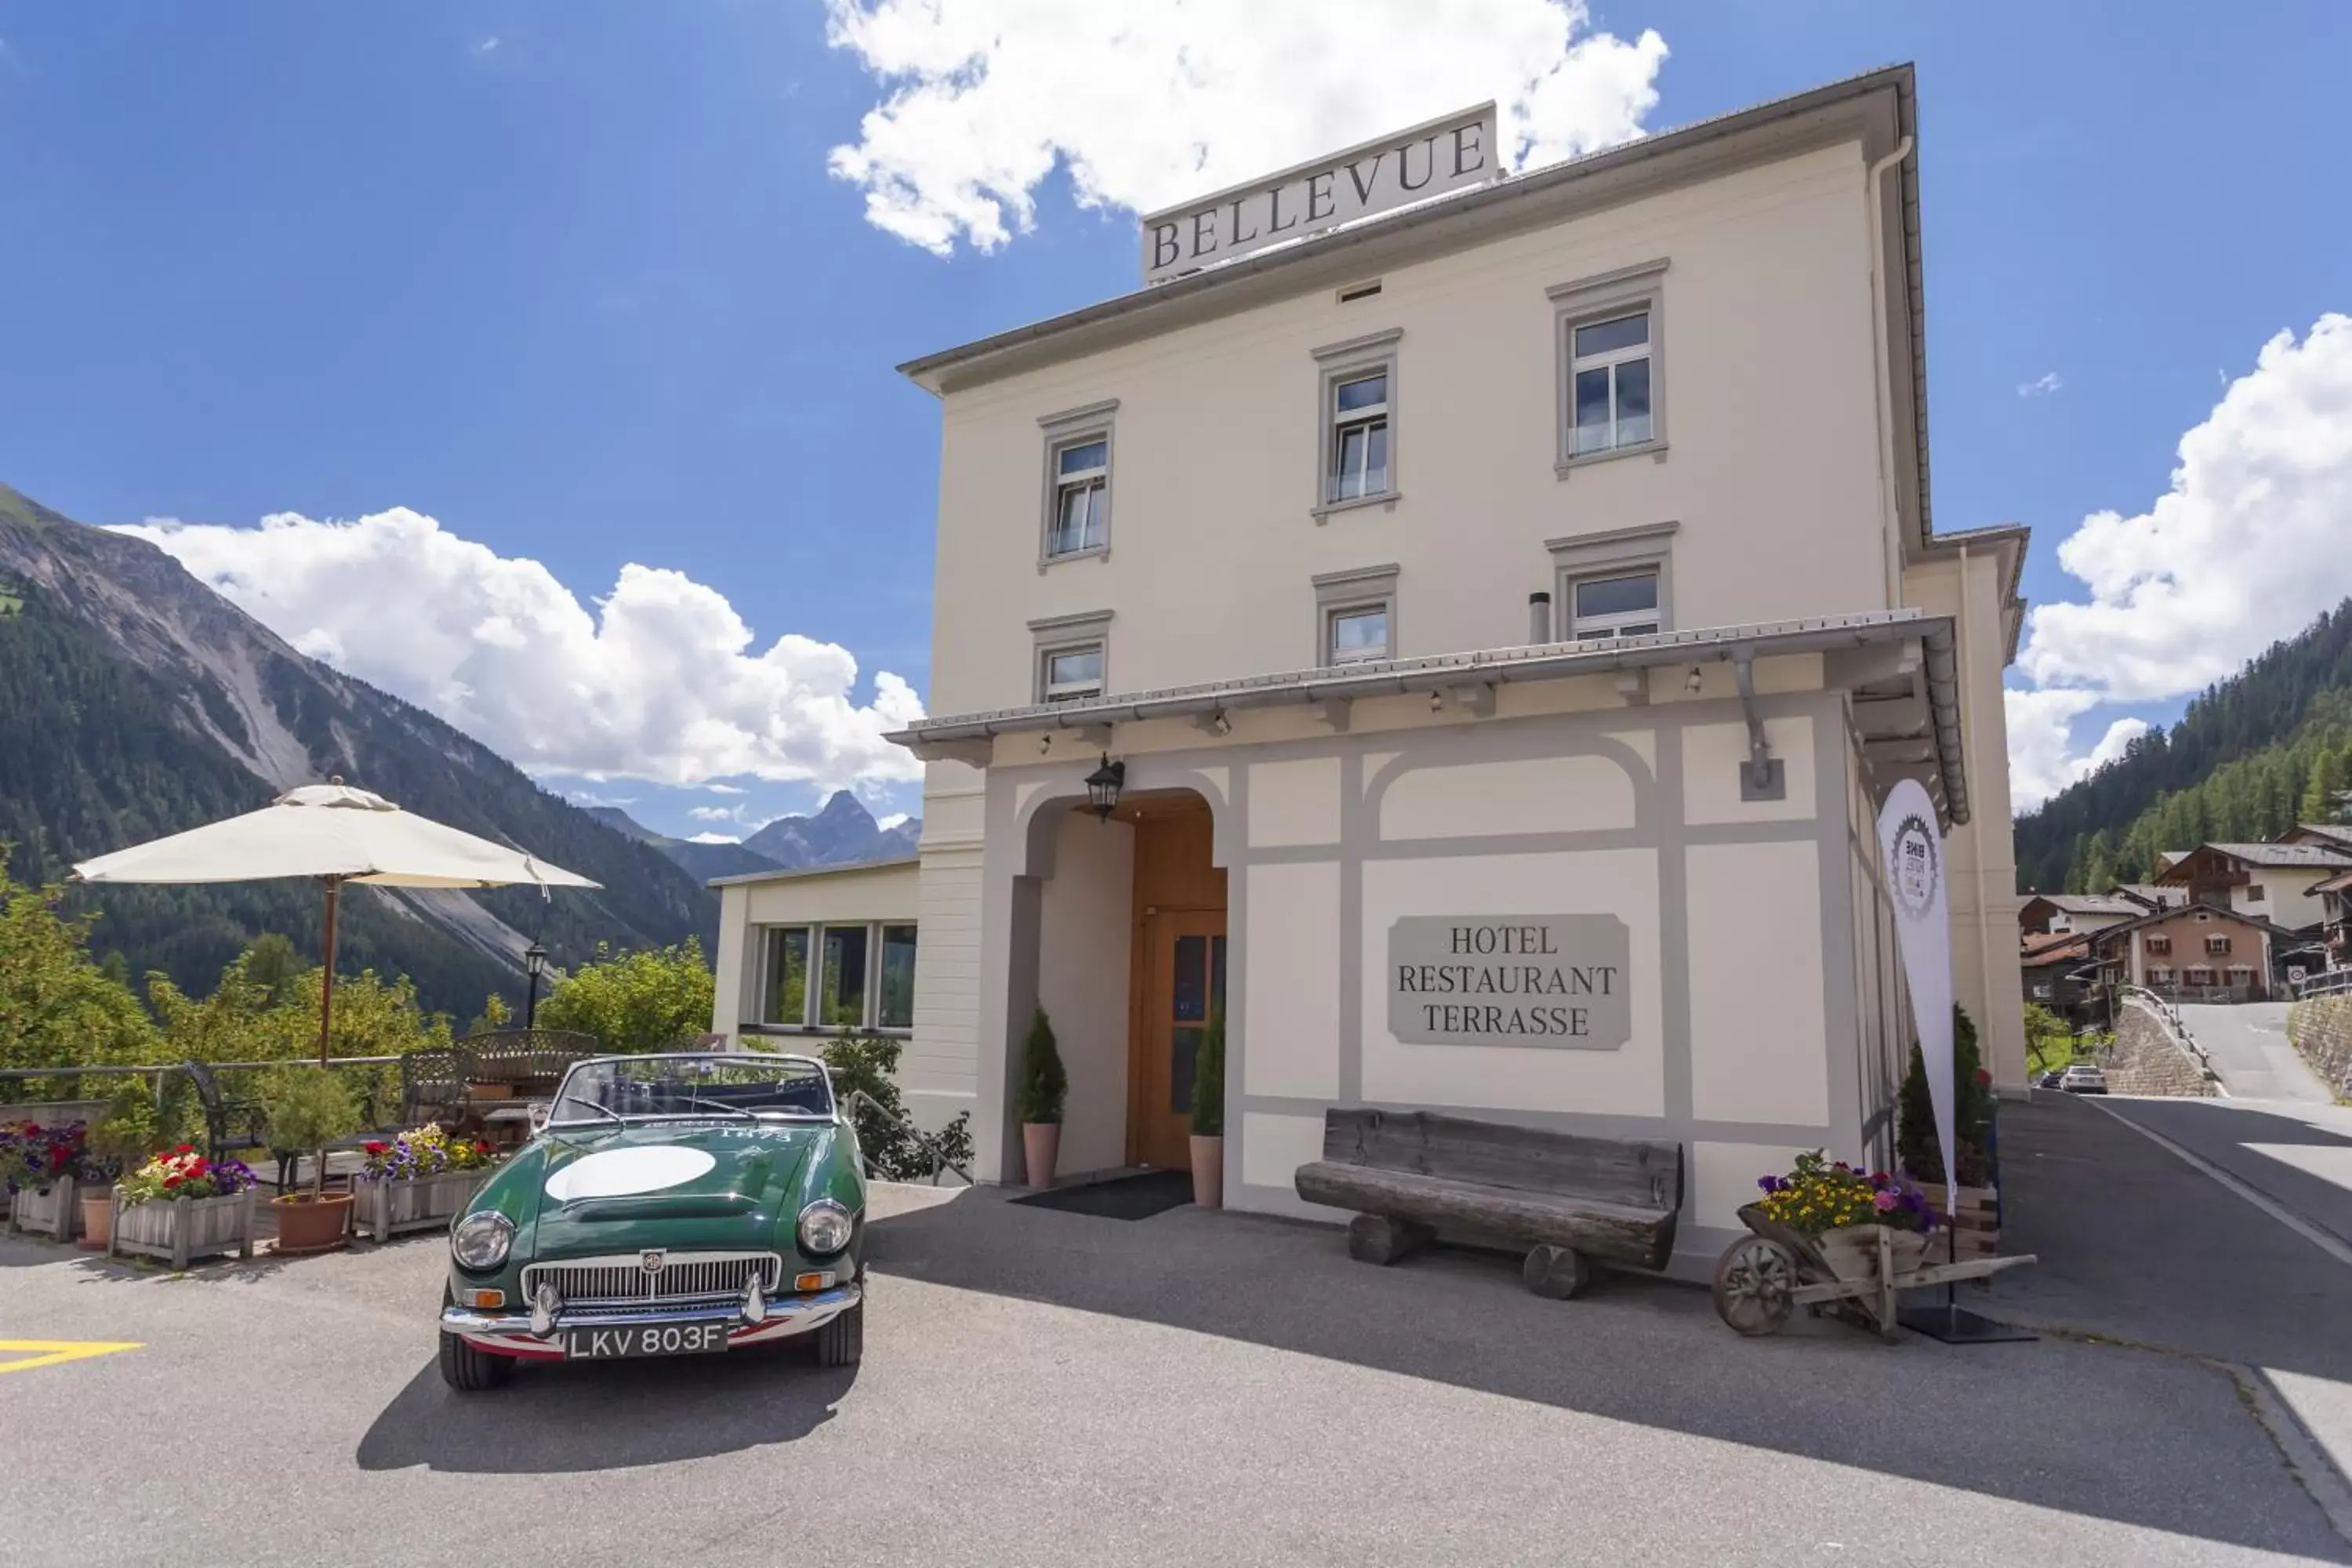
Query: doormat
{"type": "Point", "coordinates": [1122, 1197]}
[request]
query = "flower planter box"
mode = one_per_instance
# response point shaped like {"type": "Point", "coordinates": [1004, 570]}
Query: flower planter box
{"type": "Point", "coordinates": [185, 1228]}
{"type": "Point", "coordinates": [1975, 1220]}
{"type": "Point", "coordinates": [1852, 1254]}
{"type": "Point", "coordinates": [52, 1212]}
{"type": "Point", "coordinates": [382, 1210]}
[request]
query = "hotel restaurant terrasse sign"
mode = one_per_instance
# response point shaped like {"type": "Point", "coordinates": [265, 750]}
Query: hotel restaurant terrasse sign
{"type": "Point", "coordinates": [1555, 981]}
{"type": "Point", "coordinates": [1377, 176]}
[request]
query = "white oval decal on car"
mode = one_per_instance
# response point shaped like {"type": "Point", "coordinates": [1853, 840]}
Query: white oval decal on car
{"type": "Point", "coordinates": [622, 1173]}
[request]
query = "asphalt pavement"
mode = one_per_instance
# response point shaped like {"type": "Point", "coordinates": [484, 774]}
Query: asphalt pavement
{"type": "Point", "coordinates": [2248, 1046]}
{"type": "Point", "coordinates": [1053, 1387]}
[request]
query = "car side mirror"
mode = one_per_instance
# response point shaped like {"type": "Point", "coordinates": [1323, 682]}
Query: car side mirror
{"type": "Point", "coordinates": [540, 1112]}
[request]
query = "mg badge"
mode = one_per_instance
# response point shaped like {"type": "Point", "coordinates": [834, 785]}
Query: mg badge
{"type": "Point", "coordinates": [652, 1259]}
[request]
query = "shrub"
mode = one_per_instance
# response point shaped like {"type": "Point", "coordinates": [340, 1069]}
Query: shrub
{"type": "Point", "coordinates": [117, 1143]}
{"type": "Point", "coordinates": [1209, 1080]}
{"type": "Point", "coordinates": [308, 1107]}
{"type": "Point", "coordinates": [1044, 1087]}
{"type": "Point", "coordinates": [643, 1001]}
{"type": "Point", "coordinates": [1918, 1151]}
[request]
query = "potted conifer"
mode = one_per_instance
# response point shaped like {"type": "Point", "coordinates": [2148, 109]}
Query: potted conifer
{"type": "Point", "coordinates": [1209, 1115]}
{"type": "Point", "coordinates": [309, 1107]}
{"type": "Point", "coordinates": [1044, 1090]}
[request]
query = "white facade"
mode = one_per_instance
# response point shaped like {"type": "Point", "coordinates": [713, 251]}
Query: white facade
{"type": "Point", "coordinates": [1156, 512]}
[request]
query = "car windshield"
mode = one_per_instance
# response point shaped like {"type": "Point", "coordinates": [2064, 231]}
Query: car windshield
{"type": "Point", "coordinates": [725, 1086]}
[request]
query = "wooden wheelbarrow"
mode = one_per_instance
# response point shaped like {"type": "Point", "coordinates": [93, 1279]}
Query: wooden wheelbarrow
{"type": "Point", "coordinates": [1765, 1275]}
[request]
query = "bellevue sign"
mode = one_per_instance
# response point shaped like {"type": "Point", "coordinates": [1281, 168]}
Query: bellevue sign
{"type": "Point", "coordinates": [1556, 980]}
{"type": "Point", "coordinates": [1377, 176]}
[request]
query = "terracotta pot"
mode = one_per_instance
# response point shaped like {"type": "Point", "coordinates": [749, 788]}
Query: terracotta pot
{"type": "Point", "coordinates": [308, 1226]}
{"type": "Point", "coordinates": [1208, 1172]}
{"type": "Point", "coordinates": [1040, 1143]}
{"type": "Point", "coordinates": [97, 1218]}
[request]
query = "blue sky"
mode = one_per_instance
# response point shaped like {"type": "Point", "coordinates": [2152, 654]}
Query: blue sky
{"type": "Point", "coordinates": [574, 281]}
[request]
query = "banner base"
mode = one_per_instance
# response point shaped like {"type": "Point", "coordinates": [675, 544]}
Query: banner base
{"type": "Point", "coordinates": [1959, 1326]}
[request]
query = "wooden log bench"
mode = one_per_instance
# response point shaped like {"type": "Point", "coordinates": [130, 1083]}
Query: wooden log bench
{"type": "Point", "coordinates": [1572, 1201]}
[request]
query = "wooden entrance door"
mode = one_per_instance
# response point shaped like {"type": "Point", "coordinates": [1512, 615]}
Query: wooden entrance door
{"type": "Point", "coordinates": [1184, 982]}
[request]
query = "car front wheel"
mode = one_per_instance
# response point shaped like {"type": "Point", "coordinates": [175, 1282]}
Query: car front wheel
{"type": "Point", "coordinates": [841, 1340]}
{"type": "Point", "coordinates": [471, 1371]}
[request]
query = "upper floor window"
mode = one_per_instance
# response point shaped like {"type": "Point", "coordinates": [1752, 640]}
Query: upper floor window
{"type": "Point", "coordinates": [2159, 945]}
{"type": "Point", "coordinates": [1359, 438]}
{"type": "Point", "coordinates": [1611, 367]}
{"type": "Point", "coordinates": [1611, 371]}
{"type": "Point", "coordinates": [1077, 483]}
{"type": "Point", "coordinates": [863, 974]}
{"type": "Point", "coordinates": [2253, 892]}
{"type": "Point", "coordinates": [1356, 450]}
{"type": "Point", "coordinates": [1357, 611]}
{"type": "Point", "coordinates": [1617, 606]}
{"type": "Point", "coordinates": [2217, 944]}
{"type": "Point", "coordinates": [1070, 661]}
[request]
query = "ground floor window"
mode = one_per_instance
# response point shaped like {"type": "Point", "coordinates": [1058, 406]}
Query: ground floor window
{"type": "Point", "coordinates": [2200, 976]}
{"type": "Point", "coordinates": [863, 976]}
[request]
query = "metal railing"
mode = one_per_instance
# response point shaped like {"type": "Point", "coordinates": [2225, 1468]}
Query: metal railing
{"type": "Point", "coordinates": [2326, 983]}
{"type": "Point", "coordinates": [161, 1073]}
{"type": "Point", "coordinates": [927, 1141]}
{"type": "Point", "coordinates": [2169, 1017]}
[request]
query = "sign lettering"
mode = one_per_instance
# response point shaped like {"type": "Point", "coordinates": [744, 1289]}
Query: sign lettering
{"type": "Point", "coordinates": [1555, 981]}
{"type": "Point", "coordinates": [1377, 176]}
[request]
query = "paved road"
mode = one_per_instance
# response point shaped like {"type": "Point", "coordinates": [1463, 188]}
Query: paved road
{"type": "Point", "coordinates": [1045, 1387]}
{"type": "Point", "coordinates": [2249, 1046]}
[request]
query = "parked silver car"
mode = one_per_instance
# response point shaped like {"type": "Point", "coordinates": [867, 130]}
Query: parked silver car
{"type": "Point", "coordinates": [2083, 1078]}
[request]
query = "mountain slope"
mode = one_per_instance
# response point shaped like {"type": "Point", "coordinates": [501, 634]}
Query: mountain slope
{"type": "Point", "coordinates": [2250, 757]}
{"type": "Point", "coordinates": [842, 833]}
{"type": "Point", "coordinates": [703, 862]}
{"type": "Point", "coordinates": [157, 705]}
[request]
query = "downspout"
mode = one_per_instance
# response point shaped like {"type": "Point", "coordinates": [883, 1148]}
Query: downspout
{"type": "Point", "coordinates": [1882, 397]}
{"type": "Point", "coordinates": [1970, 737]}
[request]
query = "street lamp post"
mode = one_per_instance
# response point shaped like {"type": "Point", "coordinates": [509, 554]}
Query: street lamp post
{"type": "Point", "coordinates": [535, 964]}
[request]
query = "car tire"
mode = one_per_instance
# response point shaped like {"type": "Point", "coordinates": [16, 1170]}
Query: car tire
{"type": "Point", "coordinates": [841, 1340]}
{"type": "Point", "coordinates": [471, 1371]}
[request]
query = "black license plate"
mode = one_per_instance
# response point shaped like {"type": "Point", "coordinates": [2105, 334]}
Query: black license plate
{"type": "Point", "coordinates": [644, 1339]}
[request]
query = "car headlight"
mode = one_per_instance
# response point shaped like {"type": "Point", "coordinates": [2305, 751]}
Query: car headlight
{"type": "Point", "coordinates": [481, 1239]}
{"type": "Point", "coordinates": [826, 1226]}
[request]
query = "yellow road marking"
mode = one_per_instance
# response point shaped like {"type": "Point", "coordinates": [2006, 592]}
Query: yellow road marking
{"type": "Point", "coordinates": [56, 1352]}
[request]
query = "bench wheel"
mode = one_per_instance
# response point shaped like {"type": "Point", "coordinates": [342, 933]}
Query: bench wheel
{"type": "Point", "coordinates": [1754, 1281]}
{"type": "Point", "coordinates": [1558, 1272]}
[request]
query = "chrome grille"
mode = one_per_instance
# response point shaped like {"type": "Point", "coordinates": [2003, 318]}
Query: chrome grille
{"type": "Point", "coordinates": [621, 1280]}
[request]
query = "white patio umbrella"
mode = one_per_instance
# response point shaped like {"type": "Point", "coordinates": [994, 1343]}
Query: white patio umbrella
{"type": "Point", "coordinates": [335, 834]}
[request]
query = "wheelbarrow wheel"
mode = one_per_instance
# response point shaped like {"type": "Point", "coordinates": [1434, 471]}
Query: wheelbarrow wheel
{"type": "Point", "coordinates": [1754, 1281]}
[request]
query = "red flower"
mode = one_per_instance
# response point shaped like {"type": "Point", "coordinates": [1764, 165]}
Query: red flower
{"type": "Point", "coordinates": [480, 1147]}
{"type": "Point", "coordinates": [185, 1149]}
{"type": "Point", "coordinates": [170, 1180]}
{"type": "Point", "coordinates": [376, 1146]}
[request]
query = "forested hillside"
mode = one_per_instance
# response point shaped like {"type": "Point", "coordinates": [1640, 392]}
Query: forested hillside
{"type": "Point", "coordinates": [2252, 756]}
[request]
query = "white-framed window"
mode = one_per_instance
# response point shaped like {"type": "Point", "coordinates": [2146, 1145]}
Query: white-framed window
{"type": "Point", "coordinates": [1071, 656]}
{"type": "Point", "coordinates": [1078, 445]}
{"type": "Point", "coordinates": [1071, 674]}
{"type": "Point", "coordinates": [2217, 945]}
{"type": "Point", "coordinates": [1615, 583]}
{"type": "Point", "coordinates": [2160, 974]}
{"type": "Point", "coordinates": [1356, 443]}
{"type": "Point", "coordinates": [1359, 634]}
{"type": "Point", "coordinates": [1355, 613]}
{"type": "Point", "coordinates": [1611, 345]}
{"type": "Point", "coordinates": [1081, 520]}
{"type": "Point", "coordinates": [1621, 604]}
{"type": "Point", "coordinates": [2200, 975]}
{"type": "Point", "coordinates": [1359, 438]}
{"type": "Point", "coordinates": [1609, 383]}
{"type": "Point", "coordinates": [2159, 945]}
{"type": "Point", "coordinates": [829, 976]}
{"type": "Point", "coordinates": [2241, 975]}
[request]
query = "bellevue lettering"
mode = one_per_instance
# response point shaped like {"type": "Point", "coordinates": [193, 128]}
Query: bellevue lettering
{"type": "Point", "coordinates": [1358, 182]}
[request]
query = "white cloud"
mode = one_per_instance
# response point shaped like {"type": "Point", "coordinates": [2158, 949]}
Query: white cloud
{"type": "Point", "coordinates": [2042, 385]}
{"type": "Point", "coordinates": [723, 789]}
{"type": "Point", "coordinates": [1146, 104]}
{"type": "Point", "coordinates": [895, 819]}
{"type": "Point", "coordinates": [714, 838]}
{"type": "Point", "coordinates": [715, 813]}
{"type": "Point", "coordinates": [2248, 546]}
{"type": "Point", "coordinates": [659, 681]}
{"type": "Point", "coordinates": [487, 47]}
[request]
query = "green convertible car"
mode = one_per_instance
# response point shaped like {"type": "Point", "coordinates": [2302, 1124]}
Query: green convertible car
{"type": "Point", "coordinates": [687, 1202]}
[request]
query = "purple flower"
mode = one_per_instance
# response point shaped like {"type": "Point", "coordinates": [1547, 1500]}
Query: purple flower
{"type": "Point", "coordinates": [1769, 1183]}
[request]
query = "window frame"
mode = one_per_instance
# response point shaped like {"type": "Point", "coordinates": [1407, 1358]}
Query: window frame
{"type": "Point", "coordinates": [2160, 946]}
{"type": "Point", "coordinates": [1075, 428]}
{"type": "Point", "coordinates": [1058, 635]}
{"type": "Point", "coordinates": [2217, 945]}
{"type": "Point", "coordinates": [1353, 592]}
{"type": "Point", "coordinates": [1337, 364]}
{"type": "Point", "coordinates": [1604, 297]}
{"type": "Point", "coordinates": [1615, 553]}
{"type": "Point", "coordinates": [869, 1011]}
{"type": "Point", "coordinates": [2160, 974]}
